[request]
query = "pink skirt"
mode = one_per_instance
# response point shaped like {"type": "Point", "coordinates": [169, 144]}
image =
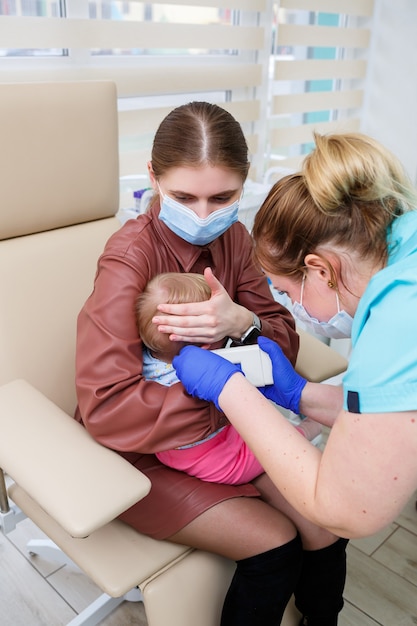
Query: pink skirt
{"type": "Point", "coordinates": [224, 458]}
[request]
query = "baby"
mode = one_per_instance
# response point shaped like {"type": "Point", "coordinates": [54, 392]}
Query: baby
{"type": "Point", "coordinates": [222, 456]}
{"type": "Point", "coordinates": [158, 349]}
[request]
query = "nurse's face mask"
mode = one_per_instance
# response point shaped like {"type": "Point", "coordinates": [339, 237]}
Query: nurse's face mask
{"type": "Point", "coordinates": [338, 327]}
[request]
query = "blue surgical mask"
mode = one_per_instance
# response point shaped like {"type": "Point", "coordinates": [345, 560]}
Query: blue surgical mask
{"type": "Point", "coordinates": [196, 230]}
{"type": "Point", "coordinates": [338, 327]}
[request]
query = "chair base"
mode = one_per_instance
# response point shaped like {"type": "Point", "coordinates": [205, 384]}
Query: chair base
{"type": "Point", "coordinates": [10, 519]}
{"type": "Point", "coordinates": [98, 610]}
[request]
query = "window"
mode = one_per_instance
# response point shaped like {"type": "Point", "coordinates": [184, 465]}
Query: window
{"type": "Point", "coordinates": [283, 69]}
{"type": "Point", "coordinates": [317, 73]}
{"type": "Point", "coordinates": [31, 8]}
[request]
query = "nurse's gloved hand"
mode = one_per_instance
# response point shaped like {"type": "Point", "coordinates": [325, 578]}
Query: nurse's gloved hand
{"type": "Point", "coordinates": [203, 373]}
{"type": "Point", "coordinates": [288, 385]}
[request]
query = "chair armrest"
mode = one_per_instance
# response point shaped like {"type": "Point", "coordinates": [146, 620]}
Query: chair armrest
{"type": "Point", "coordinates": [78, 482]}
{"type": "Point", "coordinates": [316, 361]}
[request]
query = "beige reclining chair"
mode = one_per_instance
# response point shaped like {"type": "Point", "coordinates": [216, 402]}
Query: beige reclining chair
{"type": "Point", "coordinates": [58, 199]}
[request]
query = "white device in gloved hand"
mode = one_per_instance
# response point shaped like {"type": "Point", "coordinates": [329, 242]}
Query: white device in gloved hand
{"type": "Point", "coordinates": [255, 363]}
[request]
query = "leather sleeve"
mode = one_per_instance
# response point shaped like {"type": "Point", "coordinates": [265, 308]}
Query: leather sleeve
{"type": "Point", "coordinates": [118, 406]}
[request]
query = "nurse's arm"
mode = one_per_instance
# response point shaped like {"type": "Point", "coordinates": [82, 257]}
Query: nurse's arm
{"type": "Point", "coordinates": [361, 481]}
{"type": "Point", "coordinates": [321, 402]}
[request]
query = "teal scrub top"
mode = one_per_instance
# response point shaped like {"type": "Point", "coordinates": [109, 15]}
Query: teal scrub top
{"type": "Point", "coordinates": [382, 372]}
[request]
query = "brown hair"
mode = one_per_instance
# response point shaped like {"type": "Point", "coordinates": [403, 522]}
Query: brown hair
{"type": "Point", "coordinates": [348, 193]}
{"type": "Point", "coordinates": [196, 134]}
{"type": "Point", "coordinates": [170, 288]}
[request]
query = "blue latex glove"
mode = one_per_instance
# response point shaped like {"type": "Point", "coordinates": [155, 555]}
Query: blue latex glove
{"type": "Point", "coordinates": [288, 385]}
{"type": "Point", "coordinates": [203, 373]}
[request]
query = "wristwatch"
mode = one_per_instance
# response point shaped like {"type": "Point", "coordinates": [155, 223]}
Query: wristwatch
{"type": "Point", "coordinates": [251, 334]}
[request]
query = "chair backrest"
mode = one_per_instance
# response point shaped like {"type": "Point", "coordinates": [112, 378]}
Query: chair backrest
{"type": "Point", "coordinates": [59, 193]}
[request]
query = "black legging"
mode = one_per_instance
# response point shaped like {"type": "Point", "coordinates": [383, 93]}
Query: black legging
{"type": "Point", "coordinates": [319, 591]}
{"type": "Point", "coordinates": [263, 584]}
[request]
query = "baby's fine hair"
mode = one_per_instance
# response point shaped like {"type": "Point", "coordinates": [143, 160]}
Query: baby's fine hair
{"type": "Point", "coordinates": [196, 134]}
{"type": "Point", "coordinates": [348, 193]}
{"type": "Point", "coordinates": [167, 288]}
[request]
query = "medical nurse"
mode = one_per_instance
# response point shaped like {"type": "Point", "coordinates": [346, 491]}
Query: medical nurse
{"type": "Point", "coordinates": [340, 238]}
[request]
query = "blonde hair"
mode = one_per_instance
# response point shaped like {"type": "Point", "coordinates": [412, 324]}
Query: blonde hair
{"type": "Point", "coordinates": [348, 193]}
{"type": "Point", "coordinates": [169, 288]}
{"type": "Point", "coordinates": [352, 167]}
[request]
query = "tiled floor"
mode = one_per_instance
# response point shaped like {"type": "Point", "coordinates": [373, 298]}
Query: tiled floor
{"type": "Point", "coordinates": [381, 586]}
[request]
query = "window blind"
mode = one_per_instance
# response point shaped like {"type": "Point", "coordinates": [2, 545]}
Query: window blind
{"type": "Point", "coordinates": [157, 62]}
{"type": "Point", "coordinates": [58, 32]}
{"type": "Point", "coordinates": [319, 74]}
{"type": "Point", "coordinates": [283, 68]}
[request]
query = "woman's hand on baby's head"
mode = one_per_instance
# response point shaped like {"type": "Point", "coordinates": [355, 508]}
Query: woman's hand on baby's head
{"type": "Point", "coordinates": [206, 322]}
{"type": "Point", "coordinates": [191, 322]}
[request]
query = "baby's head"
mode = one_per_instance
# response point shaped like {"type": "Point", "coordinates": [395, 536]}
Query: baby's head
{"type": "Point", "coordinates": [170, 288]}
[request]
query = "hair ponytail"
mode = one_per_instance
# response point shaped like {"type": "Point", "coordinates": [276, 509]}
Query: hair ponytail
{"type": "Point", "coordinates": [347, 195]}
{"type": "Point", "coordinates": [351, 167]}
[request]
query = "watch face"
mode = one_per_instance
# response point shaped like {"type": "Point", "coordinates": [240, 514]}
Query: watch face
{"type": "Point", "coordinates": [252, 336]}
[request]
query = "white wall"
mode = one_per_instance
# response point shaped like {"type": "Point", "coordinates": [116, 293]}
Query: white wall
{"type": "Point", "coordinates": [390, 113]}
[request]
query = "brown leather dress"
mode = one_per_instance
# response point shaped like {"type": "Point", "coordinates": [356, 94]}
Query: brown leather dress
{"type": "Point", "coordinates": [136, 417]}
